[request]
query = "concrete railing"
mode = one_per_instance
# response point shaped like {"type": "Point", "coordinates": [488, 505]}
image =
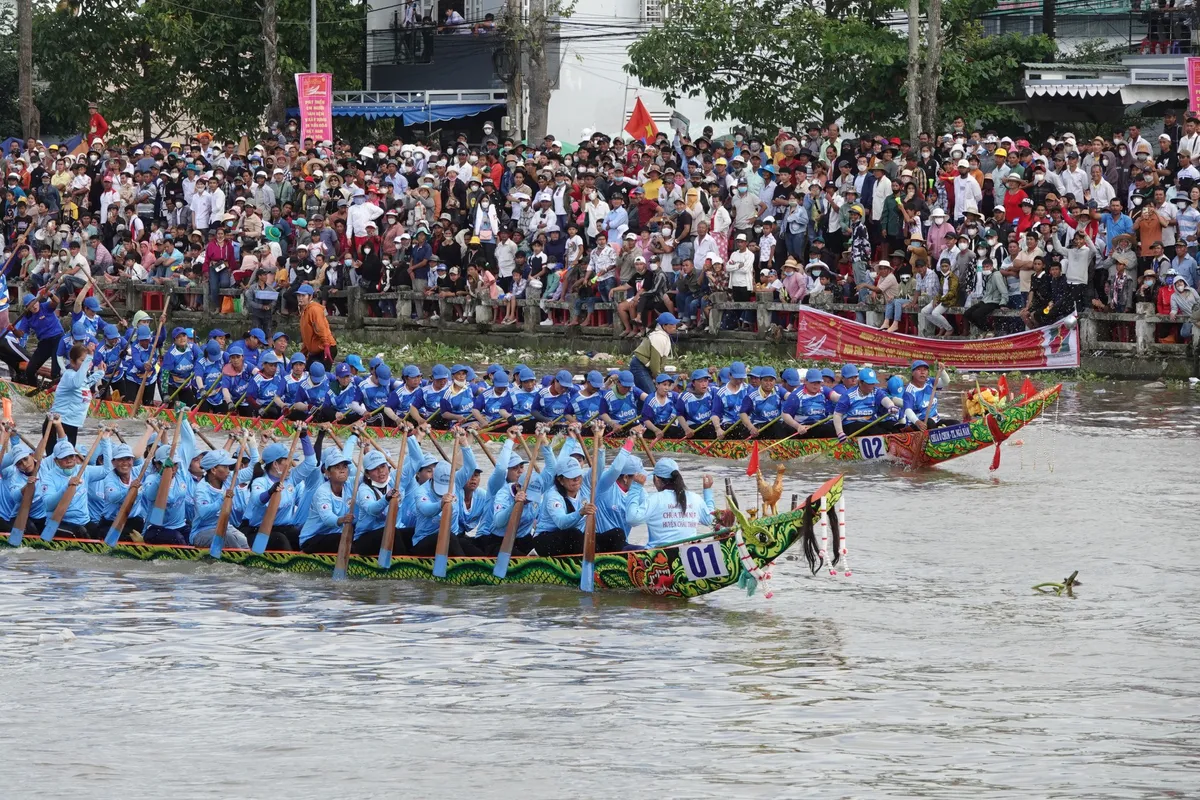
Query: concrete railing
{"type": "Point", "coordinates": [1134, 333]}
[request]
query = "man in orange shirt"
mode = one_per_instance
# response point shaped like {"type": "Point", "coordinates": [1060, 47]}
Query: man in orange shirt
{"type": "Point", "coordinates": [315, 337]}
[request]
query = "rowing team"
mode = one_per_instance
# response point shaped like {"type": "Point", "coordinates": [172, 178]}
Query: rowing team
{"type": "Point", "coordinates": [734, 402]}
{"type": "Point", "coordinates": [294, 502]}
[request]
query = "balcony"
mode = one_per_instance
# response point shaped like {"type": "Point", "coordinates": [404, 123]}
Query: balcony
{"type": "Point", "coordinates": [422, 59]}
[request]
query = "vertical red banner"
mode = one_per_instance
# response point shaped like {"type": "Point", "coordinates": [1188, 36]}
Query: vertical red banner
{"type": "Point", "coordinates": [1193, 79]}
{"type": "Point", "coordinates": [314, 91]}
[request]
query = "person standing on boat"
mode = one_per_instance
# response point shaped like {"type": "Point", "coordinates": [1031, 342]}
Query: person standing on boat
{"type": "Point", "coordinates": [74, 393]}
{"type": "Point", "coordinates": [806, 407]}
{"type": "Point", "coordinates": [671, 514]}
{"type": "Point", "coordinates": [40, 319]}
{"type": "Point", "coordinates": [762, 406]}
{"type": "Point", "coordinates": [727, 410]}
{"type": "Point", "coordinates": [919, 394]}
{"type": "Point", "coordinates": [315, 337]}
{"type": "Point", "coordinates": [650, 357]}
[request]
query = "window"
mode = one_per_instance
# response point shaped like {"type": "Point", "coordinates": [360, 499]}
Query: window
{"type": "Point", "coordinates": [652, 12]}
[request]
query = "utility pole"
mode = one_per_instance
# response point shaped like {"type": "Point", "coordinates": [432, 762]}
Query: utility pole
{"type": "Point", "coordinates": [312, 36]}
{"type": "Point", "coordinates": [932, 75]}
{"type": "Point", "coordinates": [30, 119]}
{"type": "Point", "coordinates": [914, 71]}
{"type": "Point", "coordinates": [1048, 8]}
{"type": "Point", "coordinates": [271, 62]}
{"type": "Point", "coordinates": [514, 33]}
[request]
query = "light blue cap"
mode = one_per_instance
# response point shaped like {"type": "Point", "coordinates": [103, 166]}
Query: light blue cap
{"type": "Point", "coordinates": [631, 465]}
{"type": "Point", "coordinates": [737, 370]}
{"type": "Point", "coordinates": [813, 375]}
{"type": "Point", "coordinates": [383, 374]}
{"type": "Point", "coordinates": [373, 459]}
{"type": "Point", "coordinates": [895, 386]}
{"type": "Point", "coordinates": [500, 379]}
{"type": "Point", "coordinates": [20, 450]}
{"type": "Point", "coordinates": [121, 450]}
{"type": "Point", "coordinates": [441, 478]}
{"type": "Point", "coordinates": [867, 375]}
{"type": "Point", "coordinates": [919, 363]}
{"type": "Point", "coordinates": [667, 318]}
{"type": "Point", "coordinates": [571, 469]}
{"type": "Point", "coordinates": [516, 460]}
{"type": "Point", "coordinates": [849, 371]}
{"type": "Point", "coordinates": [332, 456]}
{"type": "Point", "coordinates": [279, 335]}
{"type": "Point", "coordinates": [564, 377]}
{"type": "Point", "coordinates": [664, 467]}
{"type": "Point", "coordinates": [64, 449]}
{"type": "Point", "coordinates": [236, 350]}
{"type": "Point", "coordinates": [356, 362]}
{"type": "Point", "coordinates": [427, 460]}
{"type": "Point", "coordinates": [271, 358]}
{"type": "Point", "coordinates": [305, 289]}
{"type": "Point", "coordinates": [791, 376]}
{"type": "Point", "coordinates": [595, 379]}
{"type": "Point", "coordinates": [273, 452]}
{"type": "Point", "coordinates": [297, 358]}
{"type": "Point", "coordinates": [216, 458]}
{"type": "Point", "coordinates": [625, 378]}
{"type": "Point", "coordinates": [410, 371]}
{"type": "Point", "coordinates": [440, 372]}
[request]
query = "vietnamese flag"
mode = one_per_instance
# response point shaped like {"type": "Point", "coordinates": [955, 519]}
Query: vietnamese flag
{"type": "Point", "coordinates": [1028, 390]}
{"type": "Point", "coordinates": [1002, 386]}
{"type": "Point", "coordinates": [640, 126]}
{"type": "Point", "coordinates": [752, 467]}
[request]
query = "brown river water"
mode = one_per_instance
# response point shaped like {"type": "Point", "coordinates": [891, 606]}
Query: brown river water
{"type": "Point", "coordinates": [935, 671]}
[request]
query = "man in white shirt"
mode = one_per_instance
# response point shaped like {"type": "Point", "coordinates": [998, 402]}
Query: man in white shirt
{"type": "Point", "coordinates": [740, 267]}
{"type": "Point", "coordinates": [506, 259]}
{"type": "Point", "coordinates": [1190, 140]}
{"type": "Point", "coordinates": [965, 188]}
{"type": "Point", "coordinates": [201, 209]}
{"type": "Point", "coordinates": [1100, 191]}
{"type": "Point", "coordinates": [1074, 180]}
{"type": "Point", "coordinates": [216, 202]}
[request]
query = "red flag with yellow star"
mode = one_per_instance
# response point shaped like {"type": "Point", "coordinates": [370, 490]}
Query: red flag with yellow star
{"type": "Point", "coordinates": [640, 125]}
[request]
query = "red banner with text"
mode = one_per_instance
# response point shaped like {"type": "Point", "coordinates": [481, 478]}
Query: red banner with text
{"type": "Point", "coordinates": [826, 337]}
{"type": "Point", "coordinates": [315, 93]}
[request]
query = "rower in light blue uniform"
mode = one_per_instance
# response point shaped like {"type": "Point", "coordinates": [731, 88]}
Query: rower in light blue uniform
{"type": "Point", "coordinates": [613, 498]}
{"type": "Point", "coordinates": [53, 479]}
{"type": "Point", "coordinates": [672, 514]}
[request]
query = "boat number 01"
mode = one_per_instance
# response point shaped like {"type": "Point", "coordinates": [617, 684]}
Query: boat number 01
{"type": "Point", "coordinates": [701, 561]}
{"type": "Point", "coordinates": [872, 447]}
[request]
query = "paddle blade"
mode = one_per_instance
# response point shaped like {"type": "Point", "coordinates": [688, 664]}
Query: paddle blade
{"type": "Point", "coordinates": [15, 537]}
{"type": "Point", "coordinates": [752, 465]}
{"type": "Point", "coordinates": [501, 570]}
{"type": "Point", "coordinates": [385, 558]}
{"type": "Point", "coordinates": [439, 566]}
{"type": "Point", "coordinates": [49, 531]}
{"type": "Point", "coordinates": [156, 516]}
{"type": "Point", "coordinates": [260, 543]}
{"type": "Point", "coordinates": [339, 573]}
{"type": "Point", "coordinates": [214, 549]}
{"type": "Point", "coordinates": [112, 537]}
{"type": "Point", "coordinates": [587, 577]}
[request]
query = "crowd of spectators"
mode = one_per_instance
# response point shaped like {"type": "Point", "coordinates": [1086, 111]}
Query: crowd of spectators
{"type": "Point", "coordinates": [917, 231]}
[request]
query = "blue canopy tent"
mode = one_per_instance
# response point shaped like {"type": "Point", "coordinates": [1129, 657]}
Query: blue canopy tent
{"type": "Point", "coordinates": [408, 113]}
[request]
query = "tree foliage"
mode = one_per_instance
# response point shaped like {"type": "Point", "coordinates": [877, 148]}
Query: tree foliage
{"type": "Point", "coordinates": [157, 66]}
{"type": "Point", "coordinates": [776, 63]}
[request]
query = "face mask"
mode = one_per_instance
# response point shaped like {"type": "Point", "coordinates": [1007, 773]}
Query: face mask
{"type": "Point", "coordinates": [473, 159]}
{"type": "Point", "coordinates": [484, 203]}
{"type": "Point", "coordinates": [1148, 283]}
{"type": "Point", "coordinates": [982, 251]}
{"type": "Point", "coordinates": [460, 384]}
{"type": "Point", "coordinates": [347, 261]}
{"type": "Point", "coordinates": [991, 240]}
{"type": "Point", "coordinates": [1039, 178]}
{"type": "Point", "coordinates": [1142, 157]}
{"type": "Point", "coordinates": [743, 189]}
{"type": "Point", "coordinates": [1122, 151]}
{"type": "Point", "coordinates": [972, 229]}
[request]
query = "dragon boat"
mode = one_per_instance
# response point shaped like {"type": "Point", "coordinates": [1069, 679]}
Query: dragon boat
{"type": "Point", "coordinates": [738, 555]}
{"type": "Point", "coordinates": [912, 448]}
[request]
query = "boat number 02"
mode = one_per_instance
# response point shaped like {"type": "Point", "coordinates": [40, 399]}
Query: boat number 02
{"type": "Point", "coordinates": [701, 561]}
{"type": "Point", "coordinates": [872, 447]}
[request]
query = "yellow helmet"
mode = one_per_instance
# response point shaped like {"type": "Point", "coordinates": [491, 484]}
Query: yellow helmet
{"type": "Point", "coordinates": [857, 209]}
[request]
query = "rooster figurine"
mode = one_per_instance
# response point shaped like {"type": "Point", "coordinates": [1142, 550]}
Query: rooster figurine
{"type": "Point", "coordinates": [771, 493]}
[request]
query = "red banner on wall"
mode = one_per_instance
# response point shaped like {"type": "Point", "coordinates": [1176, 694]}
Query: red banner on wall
{"type": "Point", "coordinates": [826, 337]}
{"type": "Point", "coordinates": [1193, 80]}
{"type": "Point", "coordinates": [315, 93]}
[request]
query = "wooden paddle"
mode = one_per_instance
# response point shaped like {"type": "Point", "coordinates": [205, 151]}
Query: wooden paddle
{"type": "Point", "coordinates": [437, 446]}
{"type": "Point", "coordinates": [162, 319]}
{"type": "Point", "coordinates": [586, 456]}
{"type": "Point", "coordinates": [587, 569]}
{"type": "Point", "coordinates": [114, 531]}
{"type": "Point", "coordinates": [218, 540]}
{"type": "Point", "coordinates": [483, 446]}
{"type": "Point", "coordinates": [158, 513]}
{"type": "Point", "coordinates": [55, 521]}
{"type": "Point", "coordinates": [442, 554]}
{"type": "Point", "coordinates": [646, 449]}
{"type": "Point", "coordinates": [794, 434]}
{"type": "Point", "coordinates": [342, 563]}
{"type": "Point", "coordinates": [514, 523]}
{"type": "Point", "coordinates": [389, 525]}
{"type": "Point", "coordinates": [268, 521]}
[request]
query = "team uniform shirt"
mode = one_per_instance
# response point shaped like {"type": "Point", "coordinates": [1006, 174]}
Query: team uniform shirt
{"type": "Point", "coordinates": [135, 363]}
{"type": "Point", "coordinates": [209, 374]}
{"type": "Point", "coordinates": [12, 488]}
{"type": "Point", "coordinates": [370, 510]}
{"type": "Point", "coordinates": [179, 367]}
{"type": "Point", "coordinates": [612, 503]}
{"type": "Point", "coordinates": [696, 409]}
{"type": "Point", "coordinates": [74, 393]}
{"type": "Point", "coordinates": [374, 396]}
{"type": "Point", "coordinates": [458, 401]}
{"type": "Point", "coordinates": [250, 357]}
{"type": "Point", "coordinates": [326, 508]}
{"type": "Point", "coordinates": [343, 401]}
{"type": "Point", "coordinates": [236, 383]}
{"type": "Point", "coordinates": [622, 408]}
{"type": "Point", "coordinates": [552, 405]}
{"type": "Point", "coordinates": [44, 324]}
{"type": "Point", "coordinates": [52, 486]}
{"type": "Point", "coordinates": [112, 358]}
{"type": "Point", "coordinates": [559, 513]}
{"type": "Point", "coordinates": [855, 406]}
{"type": "Point", "coordinates": [806, 408]}
{"type": "Point", "coordinates": [659, 411]}
{"type": "Point", "coordinates": [587, 408]}
{"type": "Point", "coordinates": [429, 400]}
{"type": "Point", "coordinates": [290, 491]}
{"type": "Point", "coordinates": [293, 389]}
{"type": "Point", "coordinates": [106, 495]}
{"type": "Point", "coordinates": [490, 404]}
{"type": "Point", "coordinates": [264, 390]}
{"type": "Point", "coordinates": [504, 502]}
{"type": "Point", "coordinates": [916, 401]}
{"type": "Point", "coordinates": [401, 399]}
{"type": "Point", "coordinates": [729, 403]}
{"type": "Point", "coordinates": [206, 505]}
{"type": "Point", "coordinates": [522, 403]}
{"type": "Point", "coordinates": [90, 323]}
{"type": "Point", "coordinates": [762, 409]}
{"type": "Point", "coordinates": [315, 393]}
{"type": "Point", "coordinates": [665, 521]}
{"type": "Point", "coordinates": [429, 507]}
